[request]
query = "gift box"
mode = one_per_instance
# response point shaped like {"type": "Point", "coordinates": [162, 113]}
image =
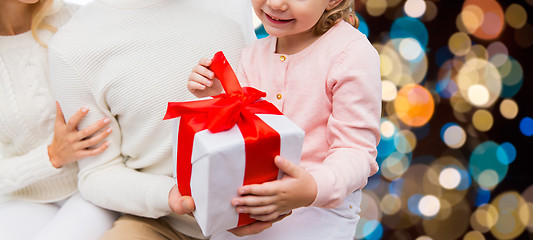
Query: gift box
{"type": "Point", "coordinates": [225, 142]}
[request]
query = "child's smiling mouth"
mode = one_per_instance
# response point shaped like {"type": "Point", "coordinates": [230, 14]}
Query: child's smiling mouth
{"type": "Point", "coordinates": [277, 20]}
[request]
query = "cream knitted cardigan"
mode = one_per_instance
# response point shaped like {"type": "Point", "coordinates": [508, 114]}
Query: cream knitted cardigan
{"type": "Point", "coordinates": [27, 114]}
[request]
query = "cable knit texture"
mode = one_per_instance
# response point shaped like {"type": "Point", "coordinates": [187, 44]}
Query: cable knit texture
{"type": "Point", "coordinates": [127, 63]}
{"type": "Point", "coordinates": [27, 114]}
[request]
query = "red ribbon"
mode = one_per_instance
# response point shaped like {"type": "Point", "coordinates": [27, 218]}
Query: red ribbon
{"type": "Point", "coordinates": [236, 106]}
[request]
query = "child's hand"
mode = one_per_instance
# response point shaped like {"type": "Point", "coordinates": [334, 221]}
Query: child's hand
{"type": "Point", "coordinates": [267, 201]}
{"type": "Point", "coordinates": [255, 227]}
{"type": "Point", "coordinates": [202, 81]}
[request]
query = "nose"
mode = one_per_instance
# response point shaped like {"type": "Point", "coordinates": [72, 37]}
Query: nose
{"type": "Point", "coordinates": [277, 4]}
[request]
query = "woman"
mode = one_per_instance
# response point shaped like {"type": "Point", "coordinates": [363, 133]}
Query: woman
{"type": "Point", "coordinates": [38, 150]}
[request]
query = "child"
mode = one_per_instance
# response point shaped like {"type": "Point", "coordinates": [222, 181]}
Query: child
{"type": "Point", "coordinates": [324, 75]}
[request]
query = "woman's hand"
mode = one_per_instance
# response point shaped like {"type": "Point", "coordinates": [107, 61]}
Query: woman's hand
{"type": "Point", "coordinates": [267, 201]}
{"type": "Point", "coordinates": [70, 144]}
{"type": "Point", "coordinates": [202, 81]}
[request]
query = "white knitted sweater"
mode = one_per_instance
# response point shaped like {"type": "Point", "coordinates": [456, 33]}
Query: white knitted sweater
{"type": "Point", "coordinates": [27, 114]}
{"type": "Point", "coordinates": [126, 59]}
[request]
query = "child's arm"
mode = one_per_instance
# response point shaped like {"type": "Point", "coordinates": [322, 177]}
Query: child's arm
{"type": "Point", "coordinates": [268, 201]}
{"type": "Point", "coordinates": [202, 81]}
{"type": "Point", "coordinates": [354, 86]}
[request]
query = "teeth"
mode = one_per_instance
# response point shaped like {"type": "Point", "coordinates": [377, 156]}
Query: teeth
{"type": "Point", "coordinates": [277, 19]}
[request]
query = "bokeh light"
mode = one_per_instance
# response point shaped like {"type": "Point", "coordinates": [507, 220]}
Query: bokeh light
{"type": "Point", "coordinates": [489, 18]}
{"type": "Point", "coordinates": [449, 178]}
{"type": "Point", "coordinates": [485, 167]}
{"type": "Point", "coordinates": [388, 90]}
{"type": "Point", "coordinates": [406, 27]}
{"type": "Point", "coordinates": [479, 82]}
{"type": "Point", "coordinates": [414, 105]}
{"type": "Point", "coordinates": [415, 8]}
{"type": "Point", "coordinates": [474, 235]}
{"type": "Point", "coordinates": [508, 225]}
{"type": "Point", "coordinates": [431, 11]}
{"type": "Point", "coordinates": [509, 108]}
{"type": "Point", "coordinates": [484, 218]}
{"type": "Point", "coordinates": [453, 135]}
{"type": "Point", "coordinates": [376, 7]}
{"type": "Point", "coordinates": [482, 120]}
{"type": "Point", "coordinates": [429, 206]}
{"type": "Point", "coordinates": [526, 126]}
{"type": "Point", "coordinates": [459, 44]}
{"type": "Point", "coordinates": [506, 153]}
{"type": "Point", "coordinates": [516, 16]}
{"type": "Point", "coordinates": [390, 204]}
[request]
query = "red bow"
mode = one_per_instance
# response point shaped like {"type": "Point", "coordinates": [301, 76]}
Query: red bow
{"type": "Point", "coordinates": [236, 106]}
{"type": "Point", "coordinates": [224, 110]}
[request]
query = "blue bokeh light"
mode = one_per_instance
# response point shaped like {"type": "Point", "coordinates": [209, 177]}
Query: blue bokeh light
{"type": "Point", "coordinates": [506, 153]}
{"type": "Point", "coordinates": [407, 27]}
{"type": "Point", "coordinates": [526, 126]}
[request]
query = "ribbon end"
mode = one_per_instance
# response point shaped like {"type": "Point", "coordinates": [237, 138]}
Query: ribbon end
{"type": "Point", "coordinates": [223, 71]}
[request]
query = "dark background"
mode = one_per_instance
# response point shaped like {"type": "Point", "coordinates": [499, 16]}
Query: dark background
{"type": "Point", "coordinates": [519, 176]}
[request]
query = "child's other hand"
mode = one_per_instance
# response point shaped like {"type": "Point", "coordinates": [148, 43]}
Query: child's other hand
{"type": "Point", "coordinates": [267, 201]}
{"type": "Point", "coordinates": [202, 81]}
{"type": "Point", "coordinates": [255, 227]}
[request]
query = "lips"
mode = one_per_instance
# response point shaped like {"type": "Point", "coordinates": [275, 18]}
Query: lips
{"type": "Point", "coordinates": [275, 20]}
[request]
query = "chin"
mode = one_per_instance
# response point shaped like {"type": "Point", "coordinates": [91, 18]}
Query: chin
{"type": "Point", "coordinates": [275, 32]}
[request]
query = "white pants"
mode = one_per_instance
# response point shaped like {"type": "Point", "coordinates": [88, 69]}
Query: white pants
{"type": "Point", "coordinates": [73, 218]}
{"type": "Point", "coordinates": [312, 223]}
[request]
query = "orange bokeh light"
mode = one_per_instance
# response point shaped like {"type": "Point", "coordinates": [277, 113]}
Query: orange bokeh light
{"type": "Point", "coordinates": [493, 19]}
{"type": "Point", "coordinates": [414, 105]}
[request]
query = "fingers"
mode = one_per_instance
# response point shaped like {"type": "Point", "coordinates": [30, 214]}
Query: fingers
{"type": "Point", "coordinates": [95, 151]}
{"type": "Point", "coordinates": [94, 140]}
{"type": "Point", "coordinates": [265, 217]}
{"type": "Point", "coordinates": [73, 122]}
{"type": "Point", "coordinates": [264, 189]}
{"type": "Point", "coordinates": [202, 76]}
{"type": "Point", "coordinates": [183, 205]}
{"type": "Point", "coordinates": [258, 210]}
{"type": "Point", "coordinates": [60, 119]}
{"type": "Point", "coordinates": [94, 128]}
{"type": "Point", "coordinates": [272, 217]}
{"type": "Point", "coordinates": [206, 62]}
{"type": "Point", "coordinates": [253, 200]}
{"type": "Point", "coordinates": [253, 228]}
{"type": "Point", "coordinates": [256, 227]}
{"type": "Point", "coordinates": [282, 216]}
{"type": "Point", "coordinates": [193, 85]}
{"type": "Point", "coordinates": [288, 167]}
{"type": "Point", "coordinates": [187, 203]}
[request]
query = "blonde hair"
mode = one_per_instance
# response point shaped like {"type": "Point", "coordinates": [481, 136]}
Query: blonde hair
{"type": "Point", "coordinates": [42, 9]}
{"type": "Point", "coordinates": [345, 10]}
